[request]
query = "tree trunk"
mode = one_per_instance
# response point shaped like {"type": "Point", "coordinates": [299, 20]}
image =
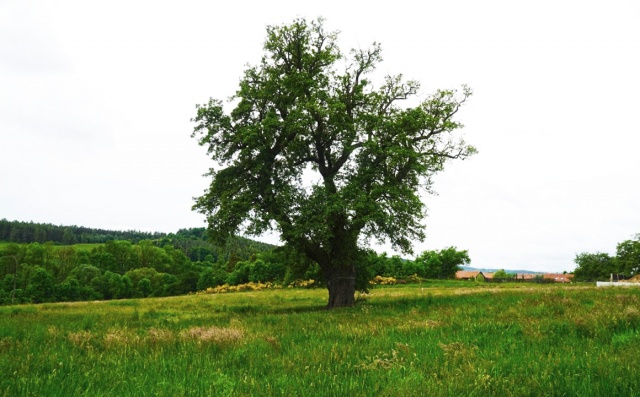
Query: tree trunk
{"type": "Point", "coordinates": [341, 283]}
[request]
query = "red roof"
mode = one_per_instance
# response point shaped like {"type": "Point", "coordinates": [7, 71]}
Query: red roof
{"type": "Point", "coordinates": [465, 274]}
{"type": "Point", "coordinates": [559, 277]}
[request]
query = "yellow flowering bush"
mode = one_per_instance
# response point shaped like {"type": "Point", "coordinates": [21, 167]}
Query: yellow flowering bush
{"type": "Point", "coordinates": [414, 279]}
{"type": "Point", "coordinates": [303, 284]}
{"type": "Point", "coordinates": [250, 286]}
{"type": "Point", "coordinates": [379, 280]}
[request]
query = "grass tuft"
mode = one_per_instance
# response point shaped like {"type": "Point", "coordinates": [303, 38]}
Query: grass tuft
{"type": "Point", "coordinates": [213, 335]}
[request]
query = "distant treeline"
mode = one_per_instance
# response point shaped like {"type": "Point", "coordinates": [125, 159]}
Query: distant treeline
{"type": "Point", "coordinates": [169, 264]}
{"type": "Point", "coordinates": [29, 232]}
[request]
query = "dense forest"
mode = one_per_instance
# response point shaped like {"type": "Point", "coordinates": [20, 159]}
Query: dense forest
{"type": "Point", "coordinates": [47, 263]}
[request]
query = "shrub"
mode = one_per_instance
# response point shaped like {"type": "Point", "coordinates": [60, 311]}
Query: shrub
{"type": "Point", "coordinates": [380, 280]}
{"type": "Point", "coordinates": [250, 286]}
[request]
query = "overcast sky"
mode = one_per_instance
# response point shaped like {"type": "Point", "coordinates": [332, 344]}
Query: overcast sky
{"type": "Point", "coordinates": [96, 99]}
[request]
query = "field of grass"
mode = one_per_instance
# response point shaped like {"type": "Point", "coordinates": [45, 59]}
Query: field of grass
{"type": "Point", "coordinates": [432, 339]}
{"type": "Point", "coordinates": [78, 247]}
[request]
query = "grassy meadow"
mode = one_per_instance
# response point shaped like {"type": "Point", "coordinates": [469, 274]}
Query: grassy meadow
{"type": "Point", "coordinates": [430, 339]}
{"type": "Point", "coordinates": [78, 247]}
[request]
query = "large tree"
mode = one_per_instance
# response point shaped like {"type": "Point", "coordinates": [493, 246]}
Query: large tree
{"type": "Point", "coordinates": [313, 150]}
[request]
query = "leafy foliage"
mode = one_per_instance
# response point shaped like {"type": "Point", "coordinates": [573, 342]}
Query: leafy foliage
{"type": "Point", "coordinates": [600, 266]}
{"type": "Point", "coordinates": [442, 264]}
{"type": "Point", "coordinates": [593, 267]}
{"type": "Point", "coordinates": [628, 256]}
{"type": "Point", "coordinates": [502, 275]}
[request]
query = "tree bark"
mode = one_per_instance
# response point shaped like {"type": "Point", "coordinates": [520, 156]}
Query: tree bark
{"type": "Point", "coordinates": [341, 283]}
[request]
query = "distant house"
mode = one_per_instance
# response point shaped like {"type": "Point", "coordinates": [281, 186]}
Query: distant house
{"type": "Point", "coordinates": [526, 276]}
{"type": "Point", "coordinates": [521, 277]}
{"type": "Point", "coordinates": [558, 277]}
{"type": "Point", "coordinates": [469, 275]}
{"type": "Point", "coordinates": [488, 276]}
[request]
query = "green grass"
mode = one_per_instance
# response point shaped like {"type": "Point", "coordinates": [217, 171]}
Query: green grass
{"type": "Point", "coordinates": [86, 246]}
{"type": "Point", "coordinates": [433, 339]}
{"type": "Point", "coordinates": [78, 247]}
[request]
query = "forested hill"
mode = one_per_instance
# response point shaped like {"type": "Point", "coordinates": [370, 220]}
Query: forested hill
{"type": "Point", "coordinates": [29, 232]}
{"type": "Point", "coordinates": [196, 245]}
{"type": "Point", "coordinates": [48, 263]}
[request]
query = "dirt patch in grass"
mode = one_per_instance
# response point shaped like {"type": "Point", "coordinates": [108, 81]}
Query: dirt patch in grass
{"type": "Point", "coordinates": [213, 334]}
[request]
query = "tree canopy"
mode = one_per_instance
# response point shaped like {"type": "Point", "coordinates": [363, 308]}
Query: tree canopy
{"type": "Point", "coordinates": [442, 264]}
{"type": "Point", "coordinates": [594, 267]}
{"type": "Point", "coordinates": [314, 150]}
{"type": "Point", "coordinates": [600, 266]}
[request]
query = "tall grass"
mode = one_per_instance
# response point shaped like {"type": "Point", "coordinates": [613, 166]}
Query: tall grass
{"type": "Point", "coordinates": [448, 339]}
